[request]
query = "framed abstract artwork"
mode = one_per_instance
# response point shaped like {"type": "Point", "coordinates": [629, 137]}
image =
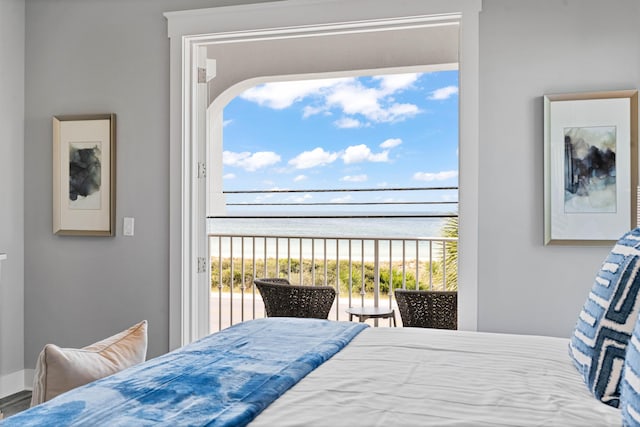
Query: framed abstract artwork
{"type": "Point", "coordinates": [84, 175]}
{"type": "Point", "coordinates": [590, 167]}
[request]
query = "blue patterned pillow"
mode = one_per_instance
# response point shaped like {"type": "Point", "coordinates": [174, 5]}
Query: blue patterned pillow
{"type": "Point", "coordinates": [630, 385]}
{"type": "Point", "coordinates": [605, 324]}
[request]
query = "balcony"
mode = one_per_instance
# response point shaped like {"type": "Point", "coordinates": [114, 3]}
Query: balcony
{"type": "Point", "coordinates": [344, 248]}
{"type": "Point", "coordinates": [345, 263]}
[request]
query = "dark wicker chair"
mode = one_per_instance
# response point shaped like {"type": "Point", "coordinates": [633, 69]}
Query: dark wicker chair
{"type": "Point", "coordinates": [284, 300]}
{"type": "Point", "coordinates": [428, 309]}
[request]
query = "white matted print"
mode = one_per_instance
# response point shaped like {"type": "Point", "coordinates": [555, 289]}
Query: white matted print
{"type": "Point", "coordinates": [84, 175]}
{"type": "Point", "coordinates": [590, 183]}
{"type": "Point", "coordinates": [591, 166]}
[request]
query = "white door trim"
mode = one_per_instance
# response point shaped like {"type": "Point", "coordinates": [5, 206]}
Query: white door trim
{"type": "Point", "coordinates": [301, 18]}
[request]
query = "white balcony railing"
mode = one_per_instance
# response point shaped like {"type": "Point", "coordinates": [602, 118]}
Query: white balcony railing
{"type": "Point", "coordinates": [346, 263]}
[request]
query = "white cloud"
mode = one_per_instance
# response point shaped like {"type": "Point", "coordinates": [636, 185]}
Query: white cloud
{"type": "Point", "coordinates": [250, 161]}
{"type": "Point", "coordinates": [281, 95]}
{"type": "Point", "coordinates": [438, 176]}
{"type": "Point", "coordinates": [262, 198]}
{"type": "Point", "coordinates": [362, 153]}
{"type": "Point", "coordinates": [229, 176]}
{"type": "Point", "coordinates": [444, 93]}
{"type": "Point", "coordinates": [299, 178]}
{"type": "Point", "coordinates": [310, 110]}
{"type": "Point", "coordinates": [225, 123]}
{"type": "Point", "coordinates": [348, 123]}
{"type": "Point", "coordinates": [399, 112]}
{"type": "Point", "coordinates": [356, 99]}
{"type": "Point", "coordinates": [313, 158]}
{"type": "Point", "coordinates": [354, 178]}
{"type": "Point", "coordinates": [349, 95]}
{"type": "Point", "coordinates": [300, 199]}
{"type": "Point", "coordinates": [232, 159]}
{"type": "Point", "coordinates": [397, 82]}
{"type": "Point", "coordinates": [391, 142]}
{"type": "Point", "coordinates": [353, 98]}
{"type": "Point", "coordinates": [340, 199]}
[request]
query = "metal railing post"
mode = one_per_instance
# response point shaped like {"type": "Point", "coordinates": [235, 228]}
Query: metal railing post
{"type": "Point", "coordinates": [232, 305]}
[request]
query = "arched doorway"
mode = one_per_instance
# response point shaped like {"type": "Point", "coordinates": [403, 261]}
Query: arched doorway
{"type": "Point", "coordinates": [304, 23]}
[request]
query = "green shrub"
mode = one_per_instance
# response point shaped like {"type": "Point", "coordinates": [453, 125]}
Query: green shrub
{"type": "Point", "coordinates": [431, 273]}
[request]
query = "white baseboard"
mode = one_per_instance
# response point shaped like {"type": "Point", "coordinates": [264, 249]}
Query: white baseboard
{"type": "Point", "coordinates": [28, 379]}
{"type": "Point", "coordinates": [15, 382]}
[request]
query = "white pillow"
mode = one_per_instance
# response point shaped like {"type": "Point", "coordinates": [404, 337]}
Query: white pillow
{"type": "Point", "coordinates": [62, 369]}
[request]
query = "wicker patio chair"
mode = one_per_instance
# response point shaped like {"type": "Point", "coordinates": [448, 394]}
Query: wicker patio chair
{"type": "Point", "coordinates": [280, 280]}
{"type": "Point", "coordinates": [284, 300]}
{"type": "Point", "coordinates": [428, 309]}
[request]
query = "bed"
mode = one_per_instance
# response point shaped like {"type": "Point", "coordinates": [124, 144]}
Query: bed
{"type": "Point", "coordinates": [316, 373]}
{"type": "Point", "coordinates": [433, 377]}
{"type": "Point", "coordinates": [311, 372]}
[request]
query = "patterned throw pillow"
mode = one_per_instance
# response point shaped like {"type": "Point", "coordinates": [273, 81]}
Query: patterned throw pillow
{"type": "Point", "coordinates": [605, 324]}
{"type": "Point", "coordinates": [630, 385]}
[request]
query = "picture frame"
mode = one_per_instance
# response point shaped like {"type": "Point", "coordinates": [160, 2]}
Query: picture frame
{"type": "Point", "coordinates": [84, 175]}
{"type": "Point", "coordinates": [590, 167]}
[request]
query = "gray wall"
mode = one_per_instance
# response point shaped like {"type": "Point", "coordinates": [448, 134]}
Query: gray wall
{"type": "Point", "coordinates": [113, 56]}
{"type": "Point", "coordinates": [99, 56]}
{"type": "Point", "coordinates": [11, 186]}
{"type": "Point", "coordinates": [528, 49]}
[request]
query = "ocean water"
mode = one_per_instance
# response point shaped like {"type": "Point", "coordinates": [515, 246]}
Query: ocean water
{"type": "Point", "coordinates": [329, 227]}
{"type": "Point", "coordinates": [341, 229]}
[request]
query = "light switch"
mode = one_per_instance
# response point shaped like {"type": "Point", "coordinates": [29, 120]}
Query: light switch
{"type": "Point", "coordinates": [127, 228]}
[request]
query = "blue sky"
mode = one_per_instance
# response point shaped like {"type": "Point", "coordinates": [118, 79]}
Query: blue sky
{"type": "Point", "coordinates": [354, 132]}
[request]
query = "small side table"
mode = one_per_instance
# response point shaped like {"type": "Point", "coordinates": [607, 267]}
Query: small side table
{"type": "Point", "coordinates": [364, 313]}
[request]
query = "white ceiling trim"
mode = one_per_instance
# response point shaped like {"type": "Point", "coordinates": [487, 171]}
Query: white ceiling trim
{"type": "Point", "coordinates": [308, 16]}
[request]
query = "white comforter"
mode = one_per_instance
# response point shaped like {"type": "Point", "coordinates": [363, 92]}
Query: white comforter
{"type": "Point", "coordinates": [423, 377]}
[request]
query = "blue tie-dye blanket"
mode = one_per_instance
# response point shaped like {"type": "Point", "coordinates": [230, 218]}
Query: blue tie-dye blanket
{"type": "Point", "coordinates": [225, 379]}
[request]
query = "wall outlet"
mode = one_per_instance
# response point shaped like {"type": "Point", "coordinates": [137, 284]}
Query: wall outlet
{"type": "Point", "coordinates": [127, 228]}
